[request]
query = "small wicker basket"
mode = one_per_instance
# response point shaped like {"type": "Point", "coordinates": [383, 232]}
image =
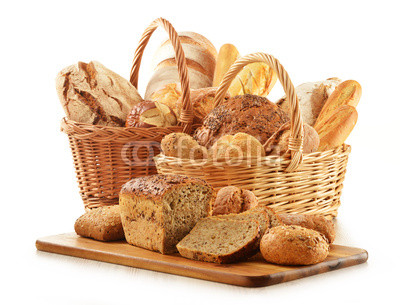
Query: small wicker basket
{"type": "Point", "coordinates": [106, 157]}
{"type": "Point", "coordinates": [293, 183]}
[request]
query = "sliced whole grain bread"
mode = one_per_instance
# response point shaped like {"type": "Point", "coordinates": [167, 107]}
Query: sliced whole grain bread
{"type": "Point", "coordinates": [258, 215]}
{"type": "Point", "coordinates": [221, 240]}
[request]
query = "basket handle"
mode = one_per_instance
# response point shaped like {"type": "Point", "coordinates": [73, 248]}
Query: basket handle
{"type": "Point", "coordinates": [296, 123]}
{"type": "Point", "coordinates": [186, 117]}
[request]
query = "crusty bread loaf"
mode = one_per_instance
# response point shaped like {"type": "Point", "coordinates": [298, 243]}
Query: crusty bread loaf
{"type": "Point", "coordinates": [200, 57]}
{"type": "Point", "coordinates": [240, 145]}
{"type": "Point", "coordinates": [256, 78]}
{"type": "Point", "coordinates": [312, 97]}
{"type": "Point", "coordinates": [278, 143]}
{"type": "Point", "coordinates": [158, 211]}
{"type": "Point", "coordinates": [183, 146]}
{"type": "Point", "coordinates": [334, 132]}
{"type": "Point", "coordinates": [103, 223]}
{"type": "Point", "coordinates": [202, 102]}
{"type": "Point", "coordinates": [168, 95]}
{"type": "Point", "coordinates": [251, 114]}
{"type": "Point", "coordinates": [294, 245]}
{"type": "Point", "coordinates": [227, 55]}
{"type": "Point", "coordinates": [231, 199]}
{"type": "Point", "coordinates": [347, 93]}
{"type": "Point", "coordinates": [91, 93]}
{"type": "Point", "coordinates": [314, 222]}
{"type": "Point", "coordinates": [220, 241]}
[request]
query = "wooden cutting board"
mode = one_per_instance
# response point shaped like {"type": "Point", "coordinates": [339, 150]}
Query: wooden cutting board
{"type": "Point", "coordinates": [252, 273]}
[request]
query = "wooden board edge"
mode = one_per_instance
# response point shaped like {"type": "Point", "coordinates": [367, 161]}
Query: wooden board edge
{"type": "Point", "coordinates": [198, 273]}
{"type": "Point", "coordinates": [143, 263]}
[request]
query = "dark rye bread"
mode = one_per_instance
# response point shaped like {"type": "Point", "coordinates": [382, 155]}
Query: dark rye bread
{"type": "Point", "coordinates": [158, 211]}
{"type": "Point", "coordinates": [103, 223]}
{"type": "Point", "coordinates": [220, 240]}
{"type": "Point", "coordinates": [251, 114]}
{"type": "Point", "coordinates": [314, 222]}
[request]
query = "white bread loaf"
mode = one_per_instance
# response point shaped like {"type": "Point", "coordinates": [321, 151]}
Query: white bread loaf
{"type": "Point", "coordinates": [200, 57]}
{"type": "Point", "coordinates": [312, 97]}
{"type": "Point", "coordinates": [91, 93]}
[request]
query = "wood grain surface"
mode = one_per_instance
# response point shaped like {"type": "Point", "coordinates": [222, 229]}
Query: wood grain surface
{"type": "Point", "coordinates": [252, 273]}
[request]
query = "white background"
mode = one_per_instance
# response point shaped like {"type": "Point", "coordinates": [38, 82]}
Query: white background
{"type": "Point", "coordinates": [312, 39]}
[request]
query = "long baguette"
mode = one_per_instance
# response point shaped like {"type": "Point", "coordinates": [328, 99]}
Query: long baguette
{"type": "Point", "coordinates": [347, 93]}
{"type": "Point", "coordinates": [227, 55]}
{"type": "Point", "coordinates": [337, 128]}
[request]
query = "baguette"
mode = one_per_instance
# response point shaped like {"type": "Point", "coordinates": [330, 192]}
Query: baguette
{"type": "Point", "coordinates": [347, 93]}
{"type": "Point", "coordinates": [312, 97]}
{"type": "Point", "coordinates": [227, 55]}
{"type": "Point", "coordinates": [337, 128]}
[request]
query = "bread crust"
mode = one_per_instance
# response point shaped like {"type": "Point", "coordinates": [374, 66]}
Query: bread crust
{"type": "Point", "coordinates": [233, 200]}
{"type": "Point", "coordinates": [294, 245]}
{"type": "Point", "coordinates": [103, 223]}
{"type": "Point", "coordinates": [314, 222]}
{"type": "Point", "coordinates": [250, 114]}
{"type": "Point", "coordinates": [155, 186]}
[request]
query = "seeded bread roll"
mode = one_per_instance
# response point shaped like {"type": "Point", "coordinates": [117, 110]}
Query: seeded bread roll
{"type": "Point", "coordinates": [158, 211]}
{"type": "Point", "coordinates": [314, 222]}
{"type": "Point", "coordinates": [251, 114]}
{"type": "Point", "coordinates": [220, 241]}
{"type": "Point", "coordinates": [103, 223]}
{"type": "Point", "coordinates": [294, 245]}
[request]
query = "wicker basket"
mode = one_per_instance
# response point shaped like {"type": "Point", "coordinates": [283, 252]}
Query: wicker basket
{"type": "Point", "coordinates": [293, 183]}
{"type": "Point", "coordinates": [106, 157]}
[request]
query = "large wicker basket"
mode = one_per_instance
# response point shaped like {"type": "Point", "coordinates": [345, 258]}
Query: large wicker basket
{"type": "Point", "coordinates": [293, 183]}
{"type": "Point", "coordinates": [106, 157]}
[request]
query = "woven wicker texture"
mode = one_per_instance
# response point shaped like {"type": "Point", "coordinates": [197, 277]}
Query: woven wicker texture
{"type": "Point", "coordinates": [107, 157]}
{"type": "Point", "coordinates": [293, 183]}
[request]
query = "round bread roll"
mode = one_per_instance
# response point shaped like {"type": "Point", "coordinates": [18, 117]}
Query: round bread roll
{"type": "Point", "coordinates": [228, 200]}
{"type": "Point", "coordinates": [278, 144]}
{"type": "Point", "coordinates": [241, 145]}
{"type": "Point", "coordinates": [151, 114]}
{"type": "Point", "coordinates": [182, 145]}
{"type": "Point", "coordinates": [231, 199]}
{"type": "Point", "coordinates": [251, 114]}
{"type": "Point", "coordinates": [294, 245]}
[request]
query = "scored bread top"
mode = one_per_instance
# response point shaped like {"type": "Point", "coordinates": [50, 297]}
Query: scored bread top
{"type": "Point", "coordinates": [155, 186]}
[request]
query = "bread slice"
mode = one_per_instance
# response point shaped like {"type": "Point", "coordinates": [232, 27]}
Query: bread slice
{"type": "Point", "coordinates": [260, 216]}
{"type": "Point", "coordinates": [220, 240]}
